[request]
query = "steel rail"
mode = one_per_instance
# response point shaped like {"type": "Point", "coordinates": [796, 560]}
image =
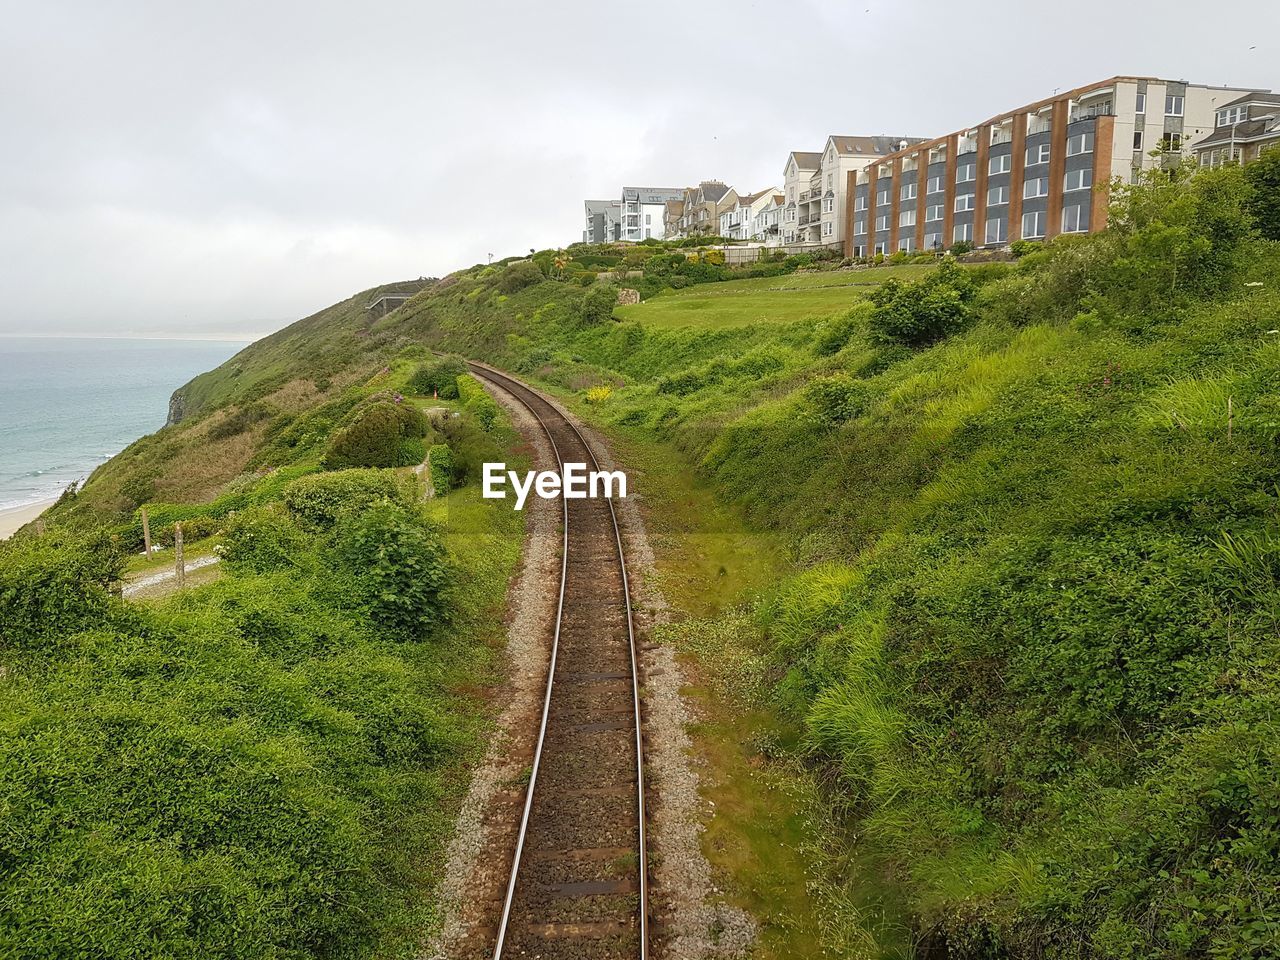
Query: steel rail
{"type": "Point", "coordinates": [494, 376]}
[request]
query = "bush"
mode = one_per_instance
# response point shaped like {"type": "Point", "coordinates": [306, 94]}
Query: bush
{"type": "Point", "coordinates": [917, 314]}
{"type": "Point", "coordinates": [517, 276]}
{"type": "Point", "coordinates": [1020, 248]}
{"type": "Point", "coordinates": [440, 464]}
{"type": "Point", "coordinates": [399, 561]}
{"type": "Point", "coordinates": [55, 585]}
{"type": "Point", "coordinates": [962, 247]}
{"type": "Point", "coordinates": [1264, 201]}
{"type": "Point", "coordinates": [837, 398]}
{"type": "Point", "coordinates": [598, 395]}
{"type": "Point", "coordinates": [320, 499]}
{"type": "Point", "coordinates": [598, 303]}
{"type": "Point", "coordinates": [477, 400]}
{"type": "Point", "coordinates": [375, 438]}
{"type": "Point", "coordinates": [440, 377]}
{"type": "Point", "coordinates": [262, 539]}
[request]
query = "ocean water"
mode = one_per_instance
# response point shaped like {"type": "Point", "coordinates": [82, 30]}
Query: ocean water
{"type": "Point", "coordinates": [67, 405]}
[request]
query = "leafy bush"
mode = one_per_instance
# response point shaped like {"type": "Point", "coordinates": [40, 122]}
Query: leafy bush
{"type": "Point", "coordinates": [263, 538]}
{"type": "Point", "coordinates": [517, 276]}
{"type": "Point", "coordinates": [921, 313]}
{"type": "Point", "coordinates": [320, 499]}
{"type": "Point", "coordinates": [440, 463]}
{"type": "Point", "coordinates": [375, 438]}
{"type": "Point", "coordinates": [598, 395]}
{"type": "Point", "coordinates": [598, 303]}
{"type": "Point", "coordinates": [837, 398]}
{"type": "Point", "coordinates": [55, 585]}
{"type": "Point", "coordinates": [439, 377]}
{"type": "Point", "coordinates": [399, 562]}
{"type": "Point", "coordinates": [1264, 200]}
{"type": "Point", "coordinates": [477, 400]}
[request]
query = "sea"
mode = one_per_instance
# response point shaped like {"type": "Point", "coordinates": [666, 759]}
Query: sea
{"type": "Point", "coordinates": [67, 405]}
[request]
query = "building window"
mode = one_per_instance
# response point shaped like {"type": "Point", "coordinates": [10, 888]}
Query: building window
{"type": "Point", "coordinates": [1039, 187]}
{"type": "Point", "coordinates": [906, 243]}
{"type": "Point", "coordinates": [829, 181]}
{"type": "Point", "coordinates": [997, 231]}
{"type": "Point", "coordinates": [828, 228]}
{"type": "Point", "coordinates": [1228, 117]}
{"type": "Point", "coordinates": [828, 205]}
{"type": "Point", "coordinates": [1037, 154]}
{"type": "Point", "coordinates": [933, 213]}
{"type": "Point", "coordinates": [1001, 164]}
{"type": "Point", "coordinates": [882, 200]}
{"type": "Point", "coordinates": [882, 223]}
{"type": "Point", "coordinates": [1077, 180]}
{"type": "Point", "coordinates": [907, 218]}
{"type": "Point", "coordinates": [648, 219]}
{"type": "Point", "coordinates": [935, 185]}
{"type": "Point", "coordinates": [1141, 106]}
{"type": "Point", "coordinates": [964, 202]}
{"type": "Point", "coordinates": [1073, 219]}
{"type": "Point", "coordinates": [1137, 140]}
{"type": "Point", "coordinates": [1080, 143]}
{"type": "Point", "coordinates": [1033, 225]}
{"type": "Point", "coordinates": [862, 203]}
{"type": "Point", "coordinates": [1173, 106]}
{"type": "Point", "coordinates": [932, 241]}
{"type": "Point", "coordinates": [962, 233]}
{"type": "Point", "coordinates": [997, 196]}
{"type": "Point", "coordinates": [880, 249]}
{"type": "Point", "coordinates": [909, 191]}
{"type": "Point", "coordinates": [1171, 142]}
{"type": "Point", "coordinates": [966, 173]}
{"type": "Point", "coordinates": [859, 226]}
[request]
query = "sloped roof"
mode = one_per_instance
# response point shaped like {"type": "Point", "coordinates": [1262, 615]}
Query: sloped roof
{"type": "Point", "coordinates": [870, 146]}
{"type": "Point", "coordinates": [1257, 96]}
{"type": "Point", "coordinates": [806, 159]}
{"type": "Point", "coordinates": [712, 189]}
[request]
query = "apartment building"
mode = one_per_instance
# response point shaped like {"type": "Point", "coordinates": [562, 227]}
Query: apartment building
{"type": "Point", "coordinates": [816, 185]}
{"type": "Point", "coordinates": [1033, 172]}
{"type": "Point", "coordinates": [1243, 129]}
{"type": "Point", "coordinates": [644, 211]}
{"type": "Point", "coordinates": [603, 223]}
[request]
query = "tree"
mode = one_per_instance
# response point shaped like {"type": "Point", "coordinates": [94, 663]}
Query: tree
{"type": "Point", "coordinates": [598, 303]}
{"type": "Point", "coordinates": [1264, 176]}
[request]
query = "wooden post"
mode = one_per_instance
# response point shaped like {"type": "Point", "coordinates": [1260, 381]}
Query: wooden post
{"type": "Point", "coordinates": [146, 532]}
{"type": "Point", "coordinates": [179, 568]}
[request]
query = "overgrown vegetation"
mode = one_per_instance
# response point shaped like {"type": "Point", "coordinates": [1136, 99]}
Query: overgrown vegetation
{"type": "Point", "coordinates": [1034, 636]}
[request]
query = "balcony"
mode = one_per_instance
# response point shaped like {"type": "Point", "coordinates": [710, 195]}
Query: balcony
{"type": "Point", "coordinates": [1091, 113]}
{"type": "Point", "coordinates": [804, 196]}
{"type": "Point", "coordinates": [805, 218]}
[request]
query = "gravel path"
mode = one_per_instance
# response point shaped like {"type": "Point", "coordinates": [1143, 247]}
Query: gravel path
{"type": "Point", "coordinates": [144, 584]}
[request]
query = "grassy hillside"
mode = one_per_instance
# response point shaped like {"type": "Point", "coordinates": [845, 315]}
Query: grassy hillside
{"type": "Point", "coordinates": [1034, 636]}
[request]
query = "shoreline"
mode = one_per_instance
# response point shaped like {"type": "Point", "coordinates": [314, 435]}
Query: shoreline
{"type": "Point", "coordinates": [14, 518]}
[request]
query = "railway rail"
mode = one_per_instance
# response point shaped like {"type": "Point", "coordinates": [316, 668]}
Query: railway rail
{"type": "Point", "coordinates": [578, 885]}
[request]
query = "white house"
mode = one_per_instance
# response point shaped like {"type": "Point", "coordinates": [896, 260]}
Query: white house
{"type": "Point", "coordinates": [766, 222]}
{"type": "Point", "coordinates": [737, 221]}
{"type": "Point", "coordinates": [644, 211]}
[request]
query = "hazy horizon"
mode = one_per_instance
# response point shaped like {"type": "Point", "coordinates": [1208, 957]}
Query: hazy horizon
{"type": "Point", "coordinates": [187, 170]}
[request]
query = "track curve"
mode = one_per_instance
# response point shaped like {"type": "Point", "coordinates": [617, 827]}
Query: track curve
{"type": "Point", "coordinates": [578, 884]}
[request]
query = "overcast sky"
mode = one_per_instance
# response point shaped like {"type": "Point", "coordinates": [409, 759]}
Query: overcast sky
{"type": "Point", "coordinates": [220, 169]}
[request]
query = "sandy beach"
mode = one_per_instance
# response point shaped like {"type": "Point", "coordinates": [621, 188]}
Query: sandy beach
{"type": "Point", "coordinates": [15, 517]}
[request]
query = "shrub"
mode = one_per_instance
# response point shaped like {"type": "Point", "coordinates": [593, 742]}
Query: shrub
{"type": "Point", "coordinates": [477, 400]}
{"type": "Point", "coordinates": [1020, 248]}
{"type": "Point", "coordinates": [1264, 202]}
{"type": "Point", "coordinates": [399, 561]}
{"type": "Point", "coordinates": [375, 438]}
{"type": "Point", "coordinates": [921, 313]}
{"type": "Point", "coordinates": [320, 499]}
{"type": "Point", "coordinates": [440, 465]}
{"type": "Point", "coordinates": [598, 395]}
{"type": "Point", "coordinates": [517, 276]}
{"type": "Point", "coordinates": [962, 247]}
{"type": "Point", "coordinates": [598, 303]}
{"type": "Point", "coordinates": [837, 398]}
{"type": "Point", "coordinates": [440, 377]}
{"type": "Point", "coordinates": [55, 585]}
{"type": "Point", "coordinates": [263, 538]}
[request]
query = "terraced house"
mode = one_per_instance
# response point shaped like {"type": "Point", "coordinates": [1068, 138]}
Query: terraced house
{"type": "Point", "coordinates": [702, 205]}
{"type": "Point", "coordinates": [1032, 172]}
{"type": "Point", "coordinates": [643, 211]}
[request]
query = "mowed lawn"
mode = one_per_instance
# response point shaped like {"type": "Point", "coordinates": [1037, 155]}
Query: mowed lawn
{"type": "Point", "coordinates": [783, 299]}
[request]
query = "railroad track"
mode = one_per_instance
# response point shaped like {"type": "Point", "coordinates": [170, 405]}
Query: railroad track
{"type": "Point", "coordinates": [578, 885]}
